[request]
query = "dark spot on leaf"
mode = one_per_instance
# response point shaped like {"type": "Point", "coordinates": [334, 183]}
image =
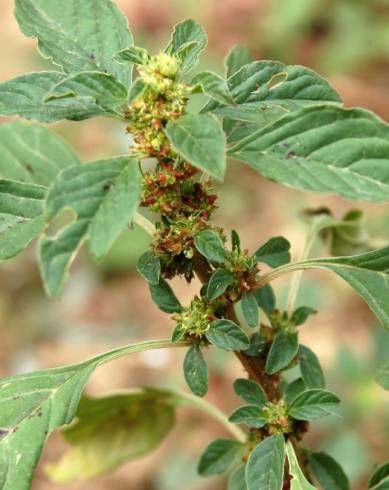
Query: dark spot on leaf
{"type": "Point", "coordinates": [107, 186]}
{"type": "Point", "coordinates": [3, 433]}
{"type": "Point", "coordinates": [40, 413]}
{"type": "Point", "coordinates": [16, 397]}
{"type": "Point", "coordinates": [92, 56]}
{"type": "Point", "coordinates": [29, 169]}
{"type": "Point", "coordinates": [291, 154]}
{"type": "Point", "coordinates": [15, 429]}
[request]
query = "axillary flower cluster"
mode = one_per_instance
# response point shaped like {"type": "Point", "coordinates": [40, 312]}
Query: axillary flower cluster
{"type": "Point", "coordinates": [176, 191]}
{"type": "Point", "coordinates": [173, 188]}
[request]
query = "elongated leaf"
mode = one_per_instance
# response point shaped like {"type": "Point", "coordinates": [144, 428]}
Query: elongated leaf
{"type": "Point", "coordinates": [251, 415]}
{"type": "Point", "coordinates": [77, 36]}
{"type": "Point", "coordinates": [132, 54]}
{"type": "Point", "coordinates": [301, 314]}
{"type": "Point", "coordinates": [219, 456]}
{"type": "Point", "coordinates": [349, 236]}
{"type": "Point", "coordinates": [21, 215]}
{"type": "Point", "coordinates": [380, 475]}
{"type": "Point", "coordinates": [226, 334]}
{"type": "Point", "coordinates": [196, 371]}
{"type": "Point", "coordinates": [250, 391]}
{"type": "Point", "coordinates": [209, 244]}
{"type": "Point", "coordinates": [299, 482]}
{"type": "Point", "coordinates": [382, 376]}
{"type": "Point", "coordinates": [265, 298]}
{"type": "Point", "coordinates": [31, 153]}
{"type": "Point", "coordinates": [187, 33]}
{"type": "Point", "coordinates": [237, 480]}
{"type": "Point", "coordinates": [104, 196]}
{"type": "Point", "coordinates": [310, 368]}
{"type": "Point", "coordinates": [88, 94]}
{"type": "Point", "coordinates": [265, 467]}
{"type": "Point", "coordinates": [274, 252]}
{"type": "Point", "coordinates": [199, 138]}
{"type": "Point", "coordinates": [164, 297]}
{"type": "Point", "coordinates": [23, 96]}
{"type": "Point", "coordinates": [282, 351]}
{"type": "Point", "coordinates": [324, 149]}
{"type": "Point", "coordinates": [250, 308]}
{"type": "Point", "coordinates": [218, 283]}
{"type": "Point", "coordinates": [237, 57]}
{"type": "Point", "coordinates": [214, 86]}
{"type": "Point", "coordinates": [313, 404]}
{"type": "Point", "coordinates": [33, 405]}
{"type": "Point", "coordinates": [286, 86]}
{"type": "Point", "coordinates": [150, 267]}
{"type": "Point", "coordinates": [328, 472]}
{"type": "Point", "coordinates": [293, 389]}
{"type": "Point", "coordinates": [367, 273]}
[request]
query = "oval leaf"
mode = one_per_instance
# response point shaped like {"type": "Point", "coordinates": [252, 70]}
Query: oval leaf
{"type": "Point", "coordinates": [199, 138]}
{"type": "Point", "coordinates": [310, 368]}
{"type": "Point", "coordinates": [328, 472]}
{"type": "Point", "coordinates": [219, 456]}
{"type": "Point", "coordinates": [251, 415]}
{"type": "Point", "coordinates": [164, 297]}
{"type": "Point", "coordinates": [209, 244]}
{"type": "Point", "coordinates": [265, 467]}
{"type": "Point", "coordinates": [250, 309]}
{"type": "Point", "coordinates": [250, 391]}
{"type": "Point", "coordinates": [274, 252]}
{"type": "Point", "coordinates": [282, 351]}
{"type": "Point", "coordinates": [218, 283]}
{"type": "Point", "coordinates": [313, 404]}
{"type": "Point", "coordinates": [226, 334]}
{"type": "Point", "coordinates": [149, 267]}
{"type": "Point", "coordinates": [196, 371]}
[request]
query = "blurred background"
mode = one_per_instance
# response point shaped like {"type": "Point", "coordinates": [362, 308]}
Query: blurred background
{"type": "Point", "coordinates": [108, 304]}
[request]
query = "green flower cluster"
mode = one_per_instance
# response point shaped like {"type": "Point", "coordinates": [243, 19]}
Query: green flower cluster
{"type": "Point", "coordinates": [163, 98]}
{"type": "Point", "coordinates": [195, 320]}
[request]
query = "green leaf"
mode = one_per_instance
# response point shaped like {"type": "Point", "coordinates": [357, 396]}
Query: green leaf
{"type": "Point", "coordinates": [250, 391]}
{"type": "Point", "coordinates": [299, 482]}
{"type": "Point", "coordinates": [78, 36]}
{"type": "Point", "coordinates": [379, 475]}
{"type": "Point", "coordinates": [250, 308]}
{"type": "Point", "coordinates": [110, 431]}
{"type": "Point", "coordinates": [21, 215]}
{"type": "Point", "coordinates": [301, 314]}
{"type": "Point", "coordinates": [31, 153]}
{"type": "Point", "coordinates": [328, 472]}
{"type": "Point", "coordinates": [310, 368]}
{"type": "Point", "coordinates": [226, 334]}
{"type": "Point", "coordinates": [33, 405]}
{"type": "Point", "coordinates": [325, 149]}
{"type": "Point", "coordinates": [136, 90]}
{"type": "Point", "coordinates": [132, 54]}
{"type": "Point", "coordinates": [196, 371]}
{"type": "Point", "coordinates": [219, 456]}
{"type": "Point", "coordinates": [149, 267]}
{"type": "Point", "coordinates": [349, 236]}
{"type": "Point", "coordinates": [258, 343]}
{"type": "Point", "coordinates": [237, 479]}
{"type": "Point", "coordinates": [178, 334]}
{"type": "Point", "coordinates": [235, 240]}
{"type": "Point", "coordinates": [104, 196]}
{"type": "Point", "coordinates": [237, 57]}
{"type": "Point", "coordinates": [293, 389]}
{"type": "Point", "coordinates": [23, 96]}
{"type": "Point", "coordinates": [282, 351]}
{"type": "Point", "coordinates": [164, 297]}
{"type": "Point", "coordinates": [200, 139]}
{"type": "Point", "coordinates": [274, 252]}
{"type": "Point", "coordinates": [285, 86]}
{"type": "Point", "coordinates": [187, 33]}
{"type": "Point", "coordinates": [313, 404]}
{"type": "Point", "coordinates": [214, 86]}
{"type": "Point", "coordinates": [265, 298]}
{"type": "Point", "coordinates": [209, 244]}
{"type": "Point", "coordinates": [88, 94]}
{"type": "Point", "coordinates": [367, 273]}
{"type": "Point", "coordinates": [265, 467]}
{"type": "Point", "coordinates": [382, 376]}
{"type": "Point", "coordinates": [251, 415]}
{"type": "Point", "coordinates": [218, 283]}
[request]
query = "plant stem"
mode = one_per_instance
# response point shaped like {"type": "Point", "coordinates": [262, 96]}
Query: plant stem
{"type": "Point", "coordinates": [144, 223]}
{"type": "Point", "coordinates": [296, 278]}
{"type": "Point", "coordinates": [138, 347]}
{"type": "Point", "coordinates": [215, 413]}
